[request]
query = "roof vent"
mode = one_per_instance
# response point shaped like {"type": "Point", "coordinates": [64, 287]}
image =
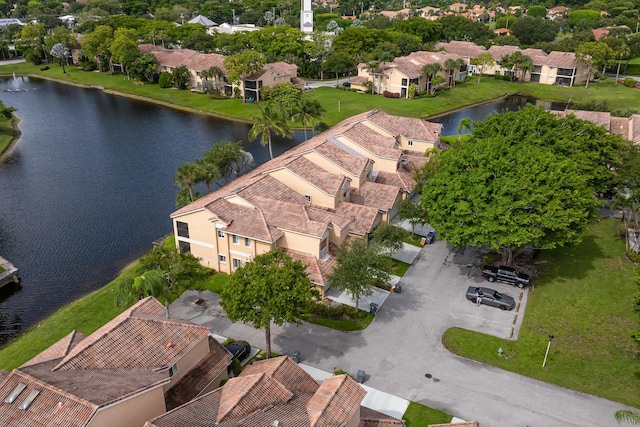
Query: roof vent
{"type": "Point", "coordinates": [15, 393]}
{"type": "Point", "coordinates": [276, 423]}
{"type": "Point", "coordinates": [169, 344]}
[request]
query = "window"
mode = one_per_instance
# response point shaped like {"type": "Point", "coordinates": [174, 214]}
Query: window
{"type": "Point", "coordinates": [308, 197]}
{"type": "Point", "coordinates": [236, 240]}
{"type": "Point", "coordinates": [29, 399]}
{"type": "Point", "coordinates": [237, 263]}
{"type": "Point", "coordinates": [410, 143]}
{"type": "Point", "coordinates": [15, 393]}
{"type": "Point", "coordinates": [183, 229]}
{"type": "Point", "coordinates": [173, 369]}
{"type": "Point", "coordinates": [247, 242]}
{"type": "Point", "coordinates": [185, 247]}
{"type": "Point", "coordinates": [222, 259]}
{"type": "Point", "coordinates": [221, 234]}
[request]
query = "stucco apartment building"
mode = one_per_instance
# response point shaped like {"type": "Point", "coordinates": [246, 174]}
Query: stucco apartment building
{"type": "Point", "coordinates": [397, 76]}
{"type": "Point", "coordinates": [134, 368]}
{"type": "Point", "coordinates": [338, 185]}
{"type": "Point", "coordinates": [625, 127]}
{"type": "Point", "coordinates": [554, 68]}
{"type": "Point", "coordinates": [277, 392]}
{"type": "Point", "coordinates": [196, 62]}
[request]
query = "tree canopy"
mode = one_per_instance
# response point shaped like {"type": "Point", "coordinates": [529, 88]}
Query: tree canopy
{"type": "Point", "coordinates": [522, 179]}
{"type": "Point", "coordinates": [272, 288]}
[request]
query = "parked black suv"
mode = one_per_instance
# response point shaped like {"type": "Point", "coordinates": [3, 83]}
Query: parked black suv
{"type": "Point", "coordinates": [507, 275]}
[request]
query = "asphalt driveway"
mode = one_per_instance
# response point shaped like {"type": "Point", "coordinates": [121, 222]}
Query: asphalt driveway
{"type": "Point", "coordinates": [402, 353]}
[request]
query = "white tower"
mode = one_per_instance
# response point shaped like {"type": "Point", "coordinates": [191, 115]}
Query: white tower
{"type": "Point", "coordinates": [306, 17]}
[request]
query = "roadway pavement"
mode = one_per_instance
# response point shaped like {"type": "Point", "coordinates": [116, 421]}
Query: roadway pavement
{"type": "Point", "coordinates": [402, 353]}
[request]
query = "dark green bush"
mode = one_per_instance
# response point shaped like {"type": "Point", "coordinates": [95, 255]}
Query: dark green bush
{"type": "Point", "coordinates": [165, 80]}
{"type": "Point", "coordinates": [629, 82]}
{"type": "Point", "coordinates": [44, 68]}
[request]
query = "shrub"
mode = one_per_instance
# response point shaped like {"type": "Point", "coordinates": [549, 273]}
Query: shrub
{"type": "Point", "coordinates": [44, 68]}
{"type": "Point", "coordinates": [629, 82]}
{"type": "Point", "coordinates": [388, 94]}
{"type": "Point", "coordinates": [165, 80]}
{"type": "Point", "coordinates": [236, 367]}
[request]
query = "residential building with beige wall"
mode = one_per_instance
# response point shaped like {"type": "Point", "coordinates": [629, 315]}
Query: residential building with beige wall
{"type": "Point", "coordinates": [196, 62]}
{"type": "Point", "coordinates": [338, 185]}
{"type": "Point", "coordinates": [397, 76]}
{"type": "Point", "coordinates": [132, 369]}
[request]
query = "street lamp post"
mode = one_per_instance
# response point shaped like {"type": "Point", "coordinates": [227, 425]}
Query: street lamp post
{"type": "Point", "coordinates": [547, 352]}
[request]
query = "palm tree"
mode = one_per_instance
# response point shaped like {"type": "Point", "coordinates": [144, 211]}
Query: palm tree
{"type": "Point", "coordinates": [430, 70]}
{"type": "Point", "coordinates": [307, 111]}
{"type": "Point", "coordinates": [450, 65]}
{"type": "Point", "coordinates": [269, 120]}
{"type": "Point", "coordinates": [628, 416]}
{"type": "Point", "coordinates": [622, 53]}
{"type": "Point", "coordinates": [151, 283]}
{"type": "Point", "coordinates": [187, 174]}
{"type": "Point", "coordinates": [373, 68]}
{"type": "Point", "coordinates": [317, 110]}
{"type": "Point", "coordinates": [208, 173]}
{"type": "Point", "coordinates": [465, 123]}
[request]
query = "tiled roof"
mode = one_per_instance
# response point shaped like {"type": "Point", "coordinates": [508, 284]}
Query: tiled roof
{"type": "Point", "coordinates": [57, 350]}
{"type": "Point", "coordinates": [499, 51]}
{"type": "Point", "coordinates": [410, 128]}
{"type": "Point", "coordinates": [199, 377]}
{"type": "Point", "coordinates": [318, 270]}
{"type": "Point", "coordinates": [131, 341]}
{"type": "Point", "coordinates": [601, 118]}
{"type": "Point", "coordinates": [335, 401]}
{"type": "Point", "coordinates": [462, 49]}
{"type": "Point", "coordinates": [328, 182]}
{"type": "Point", "coordinates": [243, 220]}
{"type": "Point", "coordinates": [276, 390]}
{"type": "Point", "coordinates": [411, 65]}
{"type": "Point", "coordinates": [245, 394]}
{"type": "Point", "coordinates": [620, 126]}
{"type": "Point", "coordinates": [363, 218]}
{"type": "Point", "coordinates": [634, 128]}
{"type": "Point", "coordinates": [354, 164]}
{"type": "Point", "coordinates": [189, 58]}
{"type": "Point", "coordinates": [51, 408]}
{"type": "Point", "coordinates": [289, 216]}
{"type": "Point", "coordinates": [561, 59]}
{"type": "Point", "coordinates": [458, 424]}
{"type": "Point", "coordinates": [376, 144]}
{"type": "Point", "coordinates": [377, 195]}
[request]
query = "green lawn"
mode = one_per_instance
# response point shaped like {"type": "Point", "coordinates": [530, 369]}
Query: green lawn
{"type": "Point", "coordinates": [6, 133]}
{"type": "Point", "coordinates": [584, 298]}
{"type": "Point", "coordinates": [340, 104]}
{"type": "Point", "coordinates": [418, 415]}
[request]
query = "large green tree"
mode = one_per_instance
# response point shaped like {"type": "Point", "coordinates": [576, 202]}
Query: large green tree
{"type": "Point", "coordinates": [522, 179]}
{"type": "Point", "coordinates": [593, 55]}
{"type": "Point", "coordinates": [271, 288]}
{"type": "Point", "coordinates": [243, 64]}
{"type": "Point", "coordinates": [150, 283]}
{"type": "Point", "coordinates": [482, 62]}
{"type": "Point", "coordinates": [360, 266]}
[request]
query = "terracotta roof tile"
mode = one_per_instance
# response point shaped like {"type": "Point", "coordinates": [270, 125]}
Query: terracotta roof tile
{"type": "Point", "coordinates": [317, 269]}
{"type": "Point", "coordinates": [374, 194]}
{"type": "Point", "coordinates": [499, 51]}
{"type": "Point", "coordinates": [376, 144]}
{"type": "Point", "coordinates": [351, 163]}
{"type": "Point", "coordinates": [199, 377]}
{"type": "Point", "coordinates": [286, 371]}
{"type": "Point", "coordinates": [51, 408]}
{"type": "Point", "coordinates": [57, 350]}
{"type": "Point", "coordinates": [462, 49]}
{"type": "Point", "coordinates": [561, 60]}
{"type": "Point", "coordinates": [335, 402]}
{"type": "Point", "coordinates": [408, 127]}
{"type": "Point", "coordinates": [411, 65]}
{"type": "Point", "coordinates": [363, 218]}
{"type": "Point", "coordinates": [134, 342]}
{"type": "Point", "coordinates": [245, 394]}
{"type": "Point", "coordinates": [189, 58]}
{"type": "Point", "coordinates": [271, 390]}
{"type": "Point", "coordinates": [328, 182]}
{"type": "Point", "coordinates": [243, 220]}
{"type": "Point", "coordinates": [634, 128]}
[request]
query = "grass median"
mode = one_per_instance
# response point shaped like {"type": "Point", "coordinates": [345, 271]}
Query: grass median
{"type": "Point", "coordinates": [584, 298]}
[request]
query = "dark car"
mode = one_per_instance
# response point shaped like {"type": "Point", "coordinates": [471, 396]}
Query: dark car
{"type": "Point", "coordinates": [239, 349]}
{"type": "Point", "coordinates": [346, 84]}
{"type": "Point", "coordinates": [507, 275]}
{"type": "Point", "coordinates": [491, 297]}
{"type": "Point", "coordinates": [431, 237]}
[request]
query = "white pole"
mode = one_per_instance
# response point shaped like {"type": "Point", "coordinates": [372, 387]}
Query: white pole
{"type": "Point", "coordinates": [338, 105]}
{"type": "Point", "coordinates": [546, 354]}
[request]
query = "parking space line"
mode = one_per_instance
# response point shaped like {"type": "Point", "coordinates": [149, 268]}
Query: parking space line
{"type": "Point", "coordinates": [489, 320]}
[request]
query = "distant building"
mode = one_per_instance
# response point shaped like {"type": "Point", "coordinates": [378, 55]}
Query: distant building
{"type": "Point", "coordinates": [5, 22]}
{"type": "Point", "coordinates": [306, 17]}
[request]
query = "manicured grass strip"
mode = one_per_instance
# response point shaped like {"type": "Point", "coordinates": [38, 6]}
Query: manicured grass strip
{"type": "Point", "coordinates": [85, 315]}
{"type": "Point", "coordinates": [418, 415]}
{"type": "Point", "coordinates": [341, 104]}
{"type": "Point", "coordinates": [584, 298]}
{"type": "Point", "coordinates": [399, 267]}
{"type": "Point", "coordinates": [6, 133]}
{"type": "Point", "coordinates": [340, 324]}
